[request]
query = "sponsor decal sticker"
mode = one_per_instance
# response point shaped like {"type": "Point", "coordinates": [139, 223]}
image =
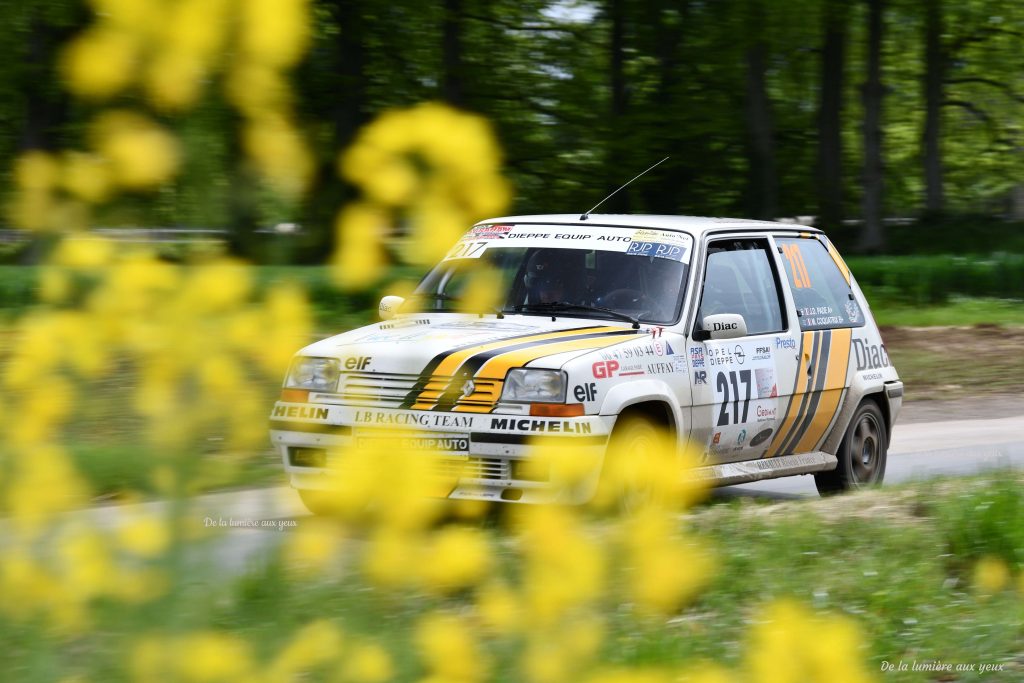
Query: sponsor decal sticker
{"type": "Point", "coordinates": [870, 356]}
{"type": "Point", "coordinates": [660, 368]}
{"type": "Point", "coordinates": [766, 387]}
{"type": "Point", "coordinates": [761, 437]}
{"type": "Point", "coordinates": [545, 426]}
{"type": "Point", "coordinates": [306, 412]}
{"type": "Point", "coordinates": [379, 417]}
{"type": "Point", "coordinates": [585, 392]}
{"type": "Point", "coordinates": [490, 232]}
{"type": "Point", "coordinates": [697, 356]}
{"type": "Point", "coordinates": [853, 311]}
{"type": "Point", "coordinates": [700, 376]}
{"type": "Point", "coordinates": [785, 343]}
{"type": "Point", "coordinates": [357, 362]}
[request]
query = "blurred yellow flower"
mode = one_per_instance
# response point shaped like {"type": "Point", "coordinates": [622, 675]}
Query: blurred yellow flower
{"type": "Point", "coordinates": [447, 645]}
{"type": "Point", "coordinates": [213, 656]}
{"type": "Point", "coordinates": [790, 644]}
{"type": "Point", "coordinates": [142, 155]}
{"type": "Point", "coordinates": [174, 80]}
{"type": "Point", "coordinates": [367, 663]}
{"type": "Point", "coordinates": [456, 557]}
{"type": "Point", "coordinates": [312, 546]}
{"type": "Point", "coordinates": [311, 646]}
{"type": "Point", "coordinates": [277, 149]}
{"type": "Point", "coordinates": [86, 562]}
{"type": "Point", "coordinates": [140, 17]}
{"type": "Point", "coordinates": [274, 31]}
{"type": "Point", "coordinates": [36, 170]}
{"type": "Point", "coordinates": [500, 609]}
{"type": "Point", "coordinates": [144, 535]}
{"type": "Point", "coordinates": [101, 62]}
{"type": "Point", "coordinates": [42, 483]}
{"type": "Point", "coordinates": [87, 176]}
{"type": "Point", "coordinates": [361, 229]}
{"type": "Point", "coordinates": [197, 28]}
{"type": "Point", "coordinates": [991, 575]}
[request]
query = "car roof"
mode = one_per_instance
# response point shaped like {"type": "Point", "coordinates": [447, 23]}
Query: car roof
{"type": "Point", "coordinates": [695, 225]}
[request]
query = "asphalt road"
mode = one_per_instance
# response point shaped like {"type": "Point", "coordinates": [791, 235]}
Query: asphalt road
{"type": "Point", "coordinates": [923, 450]}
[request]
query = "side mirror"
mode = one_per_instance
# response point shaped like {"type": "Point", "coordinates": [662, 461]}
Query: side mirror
{"type": "Point", "coordinates": [721, 326]}
{"type": "Point", "coordinates": [388, 307]}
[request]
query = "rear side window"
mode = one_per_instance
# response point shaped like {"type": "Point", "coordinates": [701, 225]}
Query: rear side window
{"type": "Point", "coordinates": [823, 297]}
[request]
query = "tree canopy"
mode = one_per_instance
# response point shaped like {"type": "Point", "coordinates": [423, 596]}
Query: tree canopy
{"type": "Point", "coordinates": [842, 109]}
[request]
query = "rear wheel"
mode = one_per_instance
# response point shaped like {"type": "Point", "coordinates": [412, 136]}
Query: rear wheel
{"type": "Point", "coordinates": [862, 453]}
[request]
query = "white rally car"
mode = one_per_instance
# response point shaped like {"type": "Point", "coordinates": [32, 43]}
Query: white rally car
{"type": "Point", "coordinates": [748, 340]}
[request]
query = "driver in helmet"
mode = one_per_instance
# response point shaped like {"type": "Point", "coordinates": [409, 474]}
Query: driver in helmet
{"type": "Point", "coordinates": [545, 279]}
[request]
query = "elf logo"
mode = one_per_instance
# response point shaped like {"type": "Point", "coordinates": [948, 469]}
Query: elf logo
{"type": "Point", "coordinates": [357, 362]}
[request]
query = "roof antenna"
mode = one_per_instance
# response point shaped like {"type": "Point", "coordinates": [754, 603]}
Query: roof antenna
{"type": "Point", "coordinates": [586, 214]}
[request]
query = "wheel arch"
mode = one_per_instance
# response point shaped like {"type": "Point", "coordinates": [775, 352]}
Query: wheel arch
{"type": "Point", "coordinates": [850, 405]}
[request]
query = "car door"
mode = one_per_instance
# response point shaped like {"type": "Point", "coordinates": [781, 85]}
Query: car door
{"type": "Point", "coordinates": [737, 393]}
{"type": "Point", "coordinates": [827, 314]}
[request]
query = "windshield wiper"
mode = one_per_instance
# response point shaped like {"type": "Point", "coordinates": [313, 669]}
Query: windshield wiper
{"type": "Point", "coordinates": [553, 306]}
{"type": "Point", "coordinates": [441, 296]}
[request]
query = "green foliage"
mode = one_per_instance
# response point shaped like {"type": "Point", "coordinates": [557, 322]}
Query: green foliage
{"type": "Point", "coordinates": [17, 288]}
{"type": "Point", "coordinates": [924, 280]}
{"type": "Point", "coordinates": [987, 522]}
{"type": "Point", "coordinates": [541, 73]}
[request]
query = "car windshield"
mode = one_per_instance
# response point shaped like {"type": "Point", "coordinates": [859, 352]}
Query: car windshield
{"type": "Point", "coordinates": [571, 282]}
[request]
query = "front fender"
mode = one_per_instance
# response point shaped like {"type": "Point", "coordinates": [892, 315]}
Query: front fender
{"type": "Point", "coordinates": [628, 394]}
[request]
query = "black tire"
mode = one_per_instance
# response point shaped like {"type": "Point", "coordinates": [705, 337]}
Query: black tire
{"type": "Point", "coordinates": [318, 502]}
{"type": "Point", "coordinates": [633, 441]}
{"type": "Point", "coordinates": [861, 455]}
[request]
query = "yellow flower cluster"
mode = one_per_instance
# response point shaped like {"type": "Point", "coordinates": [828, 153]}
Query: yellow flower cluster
{"type": "Point", "coordinates": [169, 50]}
{"type": "Point", "coordinates": [195, 341]}
{"type": "Point", "coordinates": [993, 574]}
{"type": "Point", "coordinates": [426, 173]}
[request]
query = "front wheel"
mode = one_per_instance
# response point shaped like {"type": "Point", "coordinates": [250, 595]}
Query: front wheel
{"type": "Point", "coordinates": [626, 483]}
{"type": "Point", "coordinates": [320, 503]}
{"type": "Point", "coordinates": [862, 453]}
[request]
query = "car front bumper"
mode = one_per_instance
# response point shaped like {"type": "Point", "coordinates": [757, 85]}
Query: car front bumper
{"type": "Point", "coordinates": [486, 450]}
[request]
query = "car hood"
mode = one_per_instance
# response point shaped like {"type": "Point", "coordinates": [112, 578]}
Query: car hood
{"type": "Point", "coordinates": [455, 344]}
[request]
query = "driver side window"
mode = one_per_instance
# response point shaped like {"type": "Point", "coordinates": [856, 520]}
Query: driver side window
{"type": "Point", "coordinates": [739, 278]}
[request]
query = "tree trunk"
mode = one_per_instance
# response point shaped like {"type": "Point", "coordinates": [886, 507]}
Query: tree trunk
{"type": "Point", "coordinates": [453, 81]}
{"type": "Point", "coordinates": [872, 237]}
{"type": "Point", "coordinates": [934, 76]}
{"type": "Point", "coordinates": [618, 165]}
{"type": "Point", "coordinates": [662, 189]}
{"type": "Point", "coordinates": [763, 178]}
{"type": "Point", "coordinates": [830, 121]}
{"type": "Point", "coordinates": [46, 106]}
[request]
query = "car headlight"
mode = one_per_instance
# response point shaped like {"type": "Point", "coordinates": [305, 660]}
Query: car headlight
{"type": "Point", "coordinates": [534, 386]}
{"type": "Point", "coordinates": [315, 374]}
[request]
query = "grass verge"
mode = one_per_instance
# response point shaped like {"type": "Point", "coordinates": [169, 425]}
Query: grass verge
{"type": "Point", "coordinates": [900, 562]}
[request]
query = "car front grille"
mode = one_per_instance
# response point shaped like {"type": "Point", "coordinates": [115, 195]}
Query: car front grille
{"type": "Point", "coordinates": [474, 468]}
{"type": "Point", "coordinates": [395, 391]}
